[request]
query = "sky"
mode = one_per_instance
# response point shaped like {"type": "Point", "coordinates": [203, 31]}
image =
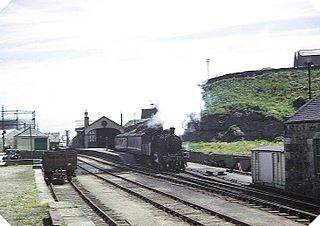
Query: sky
{"type": "Point", "coordinates": [62, 57]}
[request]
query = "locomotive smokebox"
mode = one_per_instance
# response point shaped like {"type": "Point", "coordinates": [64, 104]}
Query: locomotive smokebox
{"type": "Point", "coordinates": [172, 130]}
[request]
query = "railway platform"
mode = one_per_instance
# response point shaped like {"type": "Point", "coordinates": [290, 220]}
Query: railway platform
{"type": "Point", "coordinates": [219, 172]}
{"type": "Point", "coordinates": [109, 153]}
{"type": "Point", "coordinates": [60, 213]}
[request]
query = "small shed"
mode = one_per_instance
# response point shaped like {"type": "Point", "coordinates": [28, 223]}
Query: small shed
{"type": "Point", "coordinates": [31, 139]}
{"type": "Point", "coordinates": [268, 166]}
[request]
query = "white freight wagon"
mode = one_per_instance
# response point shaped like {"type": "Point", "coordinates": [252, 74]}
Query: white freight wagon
{"type": "Point", "coordinates": [268, 166]}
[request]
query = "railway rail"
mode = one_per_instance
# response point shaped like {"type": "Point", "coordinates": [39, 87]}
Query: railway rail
{"type": "Point", "coordinates": [190, 212]}
{"type": "Point", "coordinates": [299, 210]}
{"type": "Point", "coordinates": [73, 191]}
{"type": "Point", "coordinates": [291, 200]}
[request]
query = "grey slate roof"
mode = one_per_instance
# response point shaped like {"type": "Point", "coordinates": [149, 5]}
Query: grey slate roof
{"type": "Point", "coordinates": [310, 112]}
{"type": "Point", "coordinates": [34, 133]}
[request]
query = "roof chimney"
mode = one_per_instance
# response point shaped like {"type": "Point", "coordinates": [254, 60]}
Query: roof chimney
{"type": "Point", "coordinates": [86, 118]}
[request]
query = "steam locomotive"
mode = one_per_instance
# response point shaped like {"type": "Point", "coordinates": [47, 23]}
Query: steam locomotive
{"type": "Point", "coordinates": [155, 147]}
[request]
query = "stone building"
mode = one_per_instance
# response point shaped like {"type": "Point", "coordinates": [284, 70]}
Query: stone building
{"type": "Point", "coordinates": [98, 134]}
{"type": "Point", "coordinates": [302, 150]}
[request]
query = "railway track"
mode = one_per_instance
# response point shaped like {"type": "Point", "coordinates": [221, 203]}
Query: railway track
{"type": "Point", "coordinates": [301, 211]}
{"type": "Point", "coordinates": [74, 192]}
{"type": "Point", "coordinates": [190, 212]}
{"type": "Point", "coordinates": [290, 200]}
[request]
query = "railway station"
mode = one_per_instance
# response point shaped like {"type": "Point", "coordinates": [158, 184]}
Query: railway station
{"type": "Point", "coordinates": [71, 172]}
{"type": "Point", "coordinates": [98, 134]}
{"type": "Point", "coordinates": [229, 132]}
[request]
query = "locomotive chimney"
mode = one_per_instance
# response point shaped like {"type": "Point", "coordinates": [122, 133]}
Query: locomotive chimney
{"type": "Point", "coordinates": [172, 129]}
{"type": "Point", "coordinates": [86, 118]}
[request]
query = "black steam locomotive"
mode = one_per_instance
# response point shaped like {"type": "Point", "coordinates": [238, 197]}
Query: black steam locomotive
{"type": "Point", "coordinates": [158, 148]}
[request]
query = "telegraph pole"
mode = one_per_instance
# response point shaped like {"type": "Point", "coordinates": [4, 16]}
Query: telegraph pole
{"type": "Point", "coordinates": [309, 80]}
{"type": "Point", "coordinates": [67, 138]}
{"type": "Point", "coordinates": [3, 130]}
{"type": "Point", "coordinates": [309, 63]}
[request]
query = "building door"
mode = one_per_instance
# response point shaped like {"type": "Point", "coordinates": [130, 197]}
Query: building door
{"type": "Point", "coordinates": [40, 144]}
{"type": "Point", "coordinates": [265, 168]}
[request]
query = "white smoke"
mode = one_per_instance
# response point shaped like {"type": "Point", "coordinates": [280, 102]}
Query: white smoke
{"type": "Point", "coordinates": [175, 108]}
{"type": "Point", "coordinates": [155, 121]}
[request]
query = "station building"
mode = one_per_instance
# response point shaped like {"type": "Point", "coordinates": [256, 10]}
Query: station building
{"type": "Point", "coordinates": [302, 150]}
{"type": "Point", "coordinates": [296, 166]}
{"type": "Point", "coordinates": [98, 134]}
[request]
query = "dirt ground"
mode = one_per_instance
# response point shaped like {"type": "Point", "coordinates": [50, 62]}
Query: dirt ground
{"type": "Point", "coordinates": [19, 202]}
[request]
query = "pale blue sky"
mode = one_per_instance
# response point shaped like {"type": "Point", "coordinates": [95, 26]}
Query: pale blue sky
{"type": "Point", "coordinates": [60, 57]}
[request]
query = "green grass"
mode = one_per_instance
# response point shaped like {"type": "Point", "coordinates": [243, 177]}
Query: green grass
{"type": "Point", "coordinates": [19, 202]}
{"type": "Point", "coordinates": [232, 148]}
{"type": "Point", "coordinates": [271, 93]}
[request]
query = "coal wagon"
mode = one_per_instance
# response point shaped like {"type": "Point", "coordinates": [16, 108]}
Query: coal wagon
{"type": "Point", "coordinates": [59, 165]}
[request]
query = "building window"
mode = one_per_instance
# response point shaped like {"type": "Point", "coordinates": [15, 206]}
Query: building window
{"type": "Point", "coordinates": [317, 155]}
{"type": "Point", "coordinates": [92, 138]}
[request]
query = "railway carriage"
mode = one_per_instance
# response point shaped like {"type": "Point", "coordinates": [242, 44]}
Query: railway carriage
{"type": "Point", "coordinates": [155, 147]}
{"type": "Point", "coordinates": [59, 165]}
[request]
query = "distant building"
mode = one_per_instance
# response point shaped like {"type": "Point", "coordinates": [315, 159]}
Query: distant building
{"type": "Point", "coordinates": [148, 113]}
{"type": "Point", "coordinates": [27, 139]}
{"type": "Point", "coordinates": [54, 140]}
{"type": "Point", "coordinates": [98, 134]}
{"type": "Point", "coordinates": [303, 57]}
{"type": "Point", "coordinates": [302, 150]}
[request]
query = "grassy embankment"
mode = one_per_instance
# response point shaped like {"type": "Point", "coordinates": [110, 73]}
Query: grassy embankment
{"type": "Point", "coordinates": [272, 93]}
{"type": "Point", "coordinates": [232, 148]}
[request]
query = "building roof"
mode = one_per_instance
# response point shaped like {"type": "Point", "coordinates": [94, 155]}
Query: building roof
{"type": "Point", "coordinates": [103, 122]}
{"type": "Point", "coordinates": [269, 149]}
{"type": "Point", "coordinates": [33, 133]}
{"type": "Point", "coordinates": [310, 112]}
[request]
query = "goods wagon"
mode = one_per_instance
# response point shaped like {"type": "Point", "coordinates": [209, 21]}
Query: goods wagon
{"type": "Point", "coordinates": [268, 166]}
{"type": "Point", "coordinates": [59, 165]}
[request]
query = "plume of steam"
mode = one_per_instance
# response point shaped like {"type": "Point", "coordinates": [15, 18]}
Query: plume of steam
{"type": "Point", "coordinates": [178, 109]}
{"type": "Point", "coordinates": [155, 121]}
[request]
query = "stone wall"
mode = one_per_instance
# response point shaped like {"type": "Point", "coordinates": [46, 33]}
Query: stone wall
{"type": "Point", "coordinates": [218, 160]}
{"type": "Point", "coordinates": [233, 127]}
{"type": "Point", "coordinates": [299, 146]}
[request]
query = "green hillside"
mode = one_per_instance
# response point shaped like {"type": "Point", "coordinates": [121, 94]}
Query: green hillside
{"type": "Point", "coordinates": [270, 92]}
